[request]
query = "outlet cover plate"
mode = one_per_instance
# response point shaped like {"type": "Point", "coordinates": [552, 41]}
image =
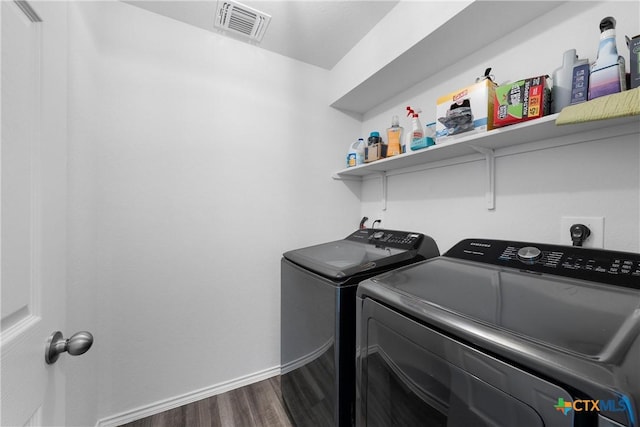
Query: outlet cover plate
{"type": "Point", "coordinates": [595, 224]}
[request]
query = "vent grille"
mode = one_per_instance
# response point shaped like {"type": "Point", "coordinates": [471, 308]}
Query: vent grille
{"type": "Point", "coordinates": [241, 19]}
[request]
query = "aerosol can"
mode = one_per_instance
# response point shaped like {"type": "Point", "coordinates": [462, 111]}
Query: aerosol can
{"type": "Point", "coordinates": [608, 71]}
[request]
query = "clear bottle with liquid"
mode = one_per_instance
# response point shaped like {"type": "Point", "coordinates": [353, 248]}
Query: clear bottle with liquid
{"type": "Point", "coordinates": [394, 138]}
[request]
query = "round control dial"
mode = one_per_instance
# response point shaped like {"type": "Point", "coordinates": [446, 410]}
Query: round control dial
{"type": "Point", "coordinates": [378, 235]}
{"type": "Point", "coordinates": [529, 254]}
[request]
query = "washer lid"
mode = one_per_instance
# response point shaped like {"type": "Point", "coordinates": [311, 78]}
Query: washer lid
{"type": "Point", "coordinates": [591, 319]}
{"type": "Point", "coordinates": [364, 252]}
{"type": "Point", "coordinates": [342, 259]}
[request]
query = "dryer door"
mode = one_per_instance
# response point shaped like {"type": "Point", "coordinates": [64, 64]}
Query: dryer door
{"type": "Point", "coordinates": [409, 374]}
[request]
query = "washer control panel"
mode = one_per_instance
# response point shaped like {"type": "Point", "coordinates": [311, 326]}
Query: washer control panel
{"type": "Point", "coordinates": [391, 238]}
{"type": "Point", "coordinates": [612, 267]}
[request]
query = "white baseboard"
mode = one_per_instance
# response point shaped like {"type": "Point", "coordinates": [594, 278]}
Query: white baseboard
{"type": "Point", "coordinates": [307, 358]}
{"type": "Point", "coordinates": [177, 401]}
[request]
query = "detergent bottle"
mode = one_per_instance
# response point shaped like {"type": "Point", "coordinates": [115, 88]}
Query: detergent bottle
{"type": "Point", "coordinates": [562, 78]}
{"type": "Point", "coordinates": [394, 137]}
{"type": "Point", "coordinates": [417, 133]}
{"type": "Point", "coordinates": [355, 155]}
{"type": "Point", "coordinates": [608, 71]}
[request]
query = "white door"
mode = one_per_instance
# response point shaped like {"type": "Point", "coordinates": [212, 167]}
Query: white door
{"type": "Point", "coordinates": [33, 203]}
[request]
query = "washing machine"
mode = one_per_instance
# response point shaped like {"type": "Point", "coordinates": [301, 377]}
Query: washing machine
{"type": "Point", "coordinates": [318, 307]}
{"type": "Point", "coordinates": [502, 333]}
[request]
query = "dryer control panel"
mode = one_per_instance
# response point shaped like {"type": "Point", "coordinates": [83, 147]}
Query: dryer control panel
{"type": "Point", "coordinates": [611, 267]}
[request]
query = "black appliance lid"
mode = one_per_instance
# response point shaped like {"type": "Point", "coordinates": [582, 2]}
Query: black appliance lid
{"type": "Point", "coordinates": [595, 320]}
{"type": "Point", "coordinates": [362, 251]}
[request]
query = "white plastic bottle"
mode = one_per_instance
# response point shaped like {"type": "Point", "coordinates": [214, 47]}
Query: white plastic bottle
{"type": "Point", "coordinates": [360, 152]}
{"type": "Point", "coordinates": [355, 155]}
{"type": "Point", "coordinates": [562, 78]}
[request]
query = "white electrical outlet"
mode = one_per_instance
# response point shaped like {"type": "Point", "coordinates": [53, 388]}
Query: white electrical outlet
{"type": "Point", "coordinates": [595, 224]}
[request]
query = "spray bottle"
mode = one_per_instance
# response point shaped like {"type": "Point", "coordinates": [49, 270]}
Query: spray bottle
{"type": "Point", "coordinates": [394, 137]}
{"type": "Point", "coordinates": [417, 133]}
{"type": "Point", "coordinates": [608, 71]}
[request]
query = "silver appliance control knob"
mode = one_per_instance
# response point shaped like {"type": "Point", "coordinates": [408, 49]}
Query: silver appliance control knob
{"type": "Point", "coordinates": [529, 254]}
{"type": "Point", "coordinates": [378, 235]}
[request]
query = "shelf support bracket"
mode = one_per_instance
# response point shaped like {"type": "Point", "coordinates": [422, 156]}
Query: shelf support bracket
{"type": "Point", "coordinates": [490, 167]}
{"type": "Point", "coordinates": [337, 177]}
{"type": "Point", "coordinates": [383, 178]}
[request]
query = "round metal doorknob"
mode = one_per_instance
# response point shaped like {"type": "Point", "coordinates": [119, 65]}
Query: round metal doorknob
{"type": "Point", "coordinates": [78, 344]}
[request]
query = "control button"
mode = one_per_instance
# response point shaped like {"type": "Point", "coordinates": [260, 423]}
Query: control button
{"type": "Point", "coordinates": [529, 254]}
{"type": "Point", "coordinates": [508, 254]}
{"type": "Point", "coordinates": [378, 234]}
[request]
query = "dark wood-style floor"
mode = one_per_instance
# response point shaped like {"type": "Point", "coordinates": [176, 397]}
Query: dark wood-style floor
{"type": "Point", "coordinates": [258, 404]}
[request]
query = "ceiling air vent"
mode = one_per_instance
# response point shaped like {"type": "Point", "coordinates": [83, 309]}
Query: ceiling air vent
{"type": "Point", "coordinates": [241, 19]}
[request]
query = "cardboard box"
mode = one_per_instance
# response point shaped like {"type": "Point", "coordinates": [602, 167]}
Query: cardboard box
{"type": "Point", "coordinates": [468, 110]}
{"type": "Point", "coordinates": [634, 59]}
{"type": "Point", "coordinates": [521, 101]}
{"type": "Point", "coordinates": [373, 152]}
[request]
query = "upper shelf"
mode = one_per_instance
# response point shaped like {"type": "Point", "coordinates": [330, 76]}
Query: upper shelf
{"type": "Point", "coordinates": [541, 129]}
{"type": "Point", "coordinates": [435, 51]}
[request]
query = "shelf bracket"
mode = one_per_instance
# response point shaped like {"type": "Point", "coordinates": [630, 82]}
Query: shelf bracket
{"type": "Point", "coordinates": [337, 177]}
{"type": "Point", "coordinates": [490, 167]}
{"type": "Point", "coordinates": [383, 178]}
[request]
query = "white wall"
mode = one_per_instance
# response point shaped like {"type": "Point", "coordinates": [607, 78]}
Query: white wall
{"type": "Point", "coordinates": [533, 190]}
{"type": "Point", "coordinates": [195, 161]}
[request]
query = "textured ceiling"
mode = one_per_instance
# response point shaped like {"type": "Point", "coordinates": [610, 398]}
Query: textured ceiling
{"type": "Point", "coordinates": [316, 32]}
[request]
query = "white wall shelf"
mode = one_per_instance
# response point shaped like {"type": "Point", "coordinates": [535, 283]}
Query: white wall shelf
{"type": "Point", "coordinates": [534, 131]}
{"type": "Point", "coordinates": [531, 131]}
